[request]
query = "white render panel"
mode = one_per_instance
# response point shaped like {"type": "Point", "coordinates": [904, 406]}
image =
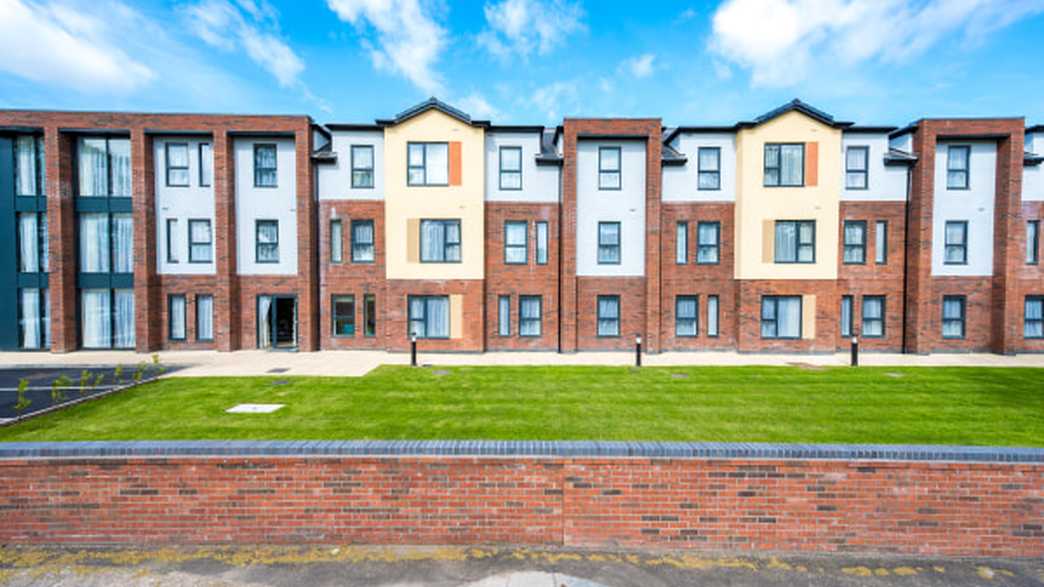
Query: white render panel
{"type": "Point", "coordinates": [886, 183]}
{"type": "Point", "coordinates": [1033, 177]}
{"type": "Point", "coordinates": [539, 182]}
{"type": "Point", "coordinates": [680, 182]}
{"type": "Point", "coordinates": [260, 203]}
{"type": "Point", "coordinates": [625, 205]}
{"type": "Point", "coordinates": [193, 202]}
{"type": "Point", "coordinates": [335, 179]}
{"type": "Point", "coordinates": [975, 205]}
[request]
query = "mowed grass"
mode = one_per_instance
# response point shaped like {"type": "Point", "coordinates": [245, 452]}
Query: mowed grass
{"type": "Point", "coordinates": [961, 405]}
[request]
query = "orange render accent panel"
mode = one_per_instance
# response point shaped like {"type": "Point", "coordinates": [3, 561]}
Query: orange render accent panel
{"type": "Point", "coordinates": [811, 164]}
{"type": "Point", "coordinates": [454, 163]}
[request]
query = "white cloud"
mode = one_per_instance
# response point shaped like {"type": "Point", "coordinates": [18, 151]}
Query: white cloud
{"type": "Point", "coordinates": [477, 107]}
{"type": "Point", "coordinates": [555, 98]}
{"type": "Point", "coordinates": [250, 26]}
{"type": "Point", "coordinates": [641, 66]}
{"type": "Point", "coordinates": [56, 44]}
{"type": "Point", "coordinates": [408, 38]}
{"type": "Point", "coordinates": [780, 41]}
{"type": "Point", "coordinates": [526, 26]}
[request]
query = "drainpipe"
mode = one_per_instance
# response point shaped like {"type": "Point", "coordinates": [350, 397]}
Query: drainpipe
{"type": "Point", "coordinates": [906, 251]}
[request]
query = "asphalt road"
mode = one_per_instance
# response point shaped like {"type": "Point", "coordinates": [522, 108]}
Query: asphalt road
{"type": "Point", "coordinates": [40, 380]}
{"type": "Point", "coordinates": [490, 567]}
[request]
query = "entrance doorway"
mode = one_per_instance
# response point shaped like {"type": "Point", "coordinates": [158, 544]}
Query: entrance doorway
{"type": "Point", "coordinates": [276, 322]}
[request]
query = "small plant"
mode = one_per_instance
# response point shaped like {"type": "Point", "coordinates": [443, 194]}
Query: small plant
{"type": "Point", "coordinates": [98, 381]}
{"type": "Point", "coordinates": [23, 402]}
{"type": "Point", "coordinates": [139, 372]}
{"type": "Point", "coordinates": [85, 381]}
{"type": "Point", "coordinates": [160, 368]}
{"type": "Point", "coordinates": [58, 388]}
{"type": "Point", "coordinates": [117, 374]}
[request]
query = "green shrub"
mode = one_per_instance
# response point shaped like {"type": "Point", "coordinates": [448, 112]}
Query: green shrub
{"type": "Point", "coordinates": [23, 402]}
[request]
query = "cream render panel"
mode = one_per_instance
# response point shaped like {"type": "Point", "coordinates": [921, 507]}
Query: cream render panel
{"type": "Point", "coordinates": [406, 205]}
{"type": "Point", "coordinates": [758, 207]}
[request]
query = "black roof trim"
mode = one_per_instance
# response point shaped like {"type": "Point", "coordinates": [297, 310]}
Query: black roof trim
{"type": "Point", "coordinates": [323, 131]}
{"type": "Point", "coordinates": [335, 126]}
{"type": "Point", "coordinates": [799, 106]}
{"type": "Point", "coordinates": [899, 157]}
{"type": "Point", "coordinates": [1032, 159]}
{"type": "Point", "coordinates": [673, 133]}
{"type": "Point", "coordinates": [870, 129]}
{"type": "Point", "coordinates": [433, 103]}
{"type": "Point", "coordinates": [908, 129]}
{"type": "Point", "coordinates": [518, 128]}
{"type": "Point", "coordinates": [1035, 128]}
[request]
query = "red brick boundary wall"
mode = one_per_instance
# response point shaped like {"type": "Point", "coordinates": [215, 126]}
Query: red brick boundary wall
{"type": "Point", "coordinates": [907, 507]}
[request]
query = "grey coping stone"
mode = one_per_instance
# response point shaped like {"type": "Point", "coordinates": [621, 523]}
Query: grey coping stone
{"type": "Point", "coordinates": [501, 448]}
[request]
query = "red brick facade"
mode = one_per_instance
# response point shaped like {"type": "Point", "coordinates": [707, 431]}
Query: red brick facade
{"type": "Point", "coordinates": [914, 508]}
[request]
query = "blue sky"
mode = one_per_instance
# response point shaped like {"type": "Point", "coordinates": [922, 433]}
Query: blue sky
{"type": "Point", "coordinates": [528, 61]}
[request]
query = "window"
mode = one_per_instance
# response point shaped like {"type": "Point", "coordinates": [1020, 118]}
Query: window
{"type": "Point", "coordinates": [511, 168]}
{"type": "Point", "coordinates": [529, 315]}
{"type": "Point", "coordinates": [857, 162]}
{"type": "Point", "coordinates": [200, 241]}
{"type": "Point", "coordinates": [206, 165]}
{"type": "Point", "coordinates": [881, 242]}
{"type": "Point", "coordinates": [30, 175]}
{"type": "Point", "coordinates": [440, 241]}
{"type": "Point", "coordinates": [708, 242]}
{"type": "Point", "coordinates": [101, 249]}
{"type": "Point", "coordinates": [336, 241]}
{"type": "Point", "coordinates": [956, 239]}
{"type": "Point", "coordinates": [608, 243]}
{"type": "Point", "coordinates": [855, 242]}
{"type": "Point", "coordinates": [953, 317]}
{"type": "Point", "coordinates": [608, 315]}
{"type": "Point", "coordinates": [362, 241]}
{"type": "Point", "coordinates": [427, 164]}
{"type": "Point", "coordinates": [957, 164]}
{"type": "Point", "coordinates": [608, 168]}
{"type": "Point", "coordinates": [32, 242]}
{"type": "Point", "coordinates": [1033, 242]}
{"type": "Point", "coordinates": [265, 171]}
{"type": "Point", "coordinates": [103, 167]}
{"type": "Point", "coordinates": [873, 316]}
{"type": "Point", "coordinates": [515, 246]}
{"type": "Point", "coordinates": [686, 310]}
{"type": "Point", "coordinates": [204, 317]}
{"type": "Point", "coordinates": [846, 316]}
{"type": "Point", "coordinates": [712, 316]}
{"type": "Point", "coordinates": [504, 315]}
{"type": "Point", "coordinates": [795, 241]}
{"type": "Point", "coordinates": [343, 316]}
{"type": "Point", "coordinates": [362, 166]}
{"type": "Point", "coordinates": [784, 165]}
{"type": "Point", "coordinates": [34, 320]}
{"type": "Point", "coordinates": [177, 164]}
{"type": "Point", "coordinates": [541, 243]}
{"type": "Point", "coordinates": [429, 316]}
{"type": "Point", "coordinates": [107, 318]}
{"type": "Point", "coordinates": [781, 317]}
{"type": "Point", "coordinates": [369, 315]}
{"type": "Point", "coordinates": [1033, 326]}
{"type": "Point", "coordinates": [267, 241]}
{"type": "Point", "coordinates": [708, 168]}
{"type": "Point", "coordinates": [172, 240]}
{"type": "Point", "coordinates": [176, 317]}
{"type": "Point", "coordinates": [681, 243]}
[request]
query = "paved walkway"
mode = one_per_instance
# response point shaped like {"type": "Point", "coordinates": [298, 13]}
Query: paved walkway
{"type": "Point", "coordinates": [357, 363]}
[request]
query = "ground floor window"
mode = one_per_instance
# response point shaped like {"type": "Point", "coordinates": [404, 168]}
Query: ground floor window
{"type": "Point", "coordinates": [686, 309]}
{"type": "Point", "coordinates": [608, 315]}
{"type": "Point", "coordinates": [344, 315]}
{"type": "Point", "coordinates": [369, 315]}
{"type": "Point", "coordinates": [873, 316]}
{"type": "Point", "coordinates": [846, 316]}
{"type": "Point", "coordinates": [204, 317]}
{"type": "Point", "coordinates": [953, 314]}
{"type": "Point", "coordinates": [529, 315]}
{"type": "Point", "coordinates": [176, 316]}
{"type": "Point", "coordinates": [429, 316]}
{"type": "Point", "coordinates": [781, 317]}
{"type": "Point", "coordinates": [504, 315]}
{"type": "Point", "coordinates": [34, 318]}
{"type": "Point", "coordinates": [1034, 320]}
{"type": "Point", "coordinates": [712, 315]}
{"type": "Point", "coordinates": [107, 318]}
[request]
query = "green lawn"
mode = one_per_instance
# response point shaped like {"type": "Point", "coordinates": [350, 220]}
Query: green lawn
{"type": "Point", "coordinates": [975, 406]}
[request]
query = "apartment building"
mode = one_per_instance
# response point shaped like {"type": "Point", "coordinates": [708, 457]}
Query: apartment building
{"type": "Point", "coordinates": [791, 232]}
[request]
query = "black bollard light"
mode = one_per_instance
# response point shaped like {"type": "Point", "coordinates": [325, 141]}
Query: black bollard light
{"type": "Point", "coordinates": [637, 350]}
{"type": "Point", "coordinates": [413, 350]}
{"type": "Point", "coordinates": [855, 351]}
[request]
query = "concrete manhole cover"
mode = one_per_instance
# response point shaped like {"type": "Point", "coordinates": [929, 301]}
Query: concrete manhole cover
{"type": "Point", "coordinates": [894, 375]}
{"type": "Point", "coordinates": [440, 372]}
{"type": "Point", "coordinates": [679, 376]}
{"type": "Point", "coordinates": [254, 408]}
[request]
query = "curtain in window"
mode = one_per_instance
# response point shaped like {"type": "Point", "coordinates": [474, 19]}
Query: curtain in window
{"type": "Point", "coordinates": [529, 316]}
{"type": "Point", "coordinates": [177, 317]}
{"type": "Point", "coordinates": [504, 315]}
{"type": "Point", "coordinates": [124, 319]}
{"type": "Point", "coordinates": [708, 168]}
{"type": "Point", "coordinates": [362, 241]}
{"type": "Point", "coordinates": [957, 167]}
{"type": "Point", "coordinates": [46, 317]}
{"type": "Point", "coordinates": [792, 168]}
{"type": "Point", "coordinates": [417, 323]}
{"type": "Point", "coordinates": [201, 240]}
{"type": "Point", "coordinates": [954, 242]}
{"type": "Point", "coordinates": [336, 241]}
{"type": "Point", "coordinates": [609, 241]}
{"type": "Point", "coordinates": [96, 318]}
{"type": "Point", "coordinates": [608, 316]}
{"type": "Point", "coordinates": [768, 318]}
{"type": "Point", "coordinates": [94, 243]}
{"type": "Point", "coordinates": [846, 316]}
{"type": "Point", "coordinates": [786, 241]}
{"type": "Point", "coordinates": [362, 158]}
{"type": "Point", "coordinates": [873, 316]}
{"type": "Point", "coordinates": [25, 166]}
{"type": "Point", "coordinates": [177, 164]}
{"type": "Point", "coordinates": [610, 159]}
{"type": "Point", "coordinates": [1034, 322]}
{"type": "Point", "coordinates": [685, 316]}
{"type": "Point", "coordinates": [268, 235]}
{"type": "Point", "coordinates": [93, 168]}
{"type": "Point", "coordinates": [206, 164]}
{"type": "Point", "coordinates": [855, 163]}
{"type": "Point", "coordinates": [120, 155]}
{"type": "Point", "coordinates": [416, 164]}
{"type": "Point", "coordinates": [515, 242]}
{"type": "Point", "coordinates": [952, 323]}
{"type": "Point", "coordinates": [437, 318]}
{"type": "Point", "coordinates": [438, 164]}
{"type": "Point", "coordinates": [712, 316]}
{"type": "Point", "coordinates": [541, 246]}
{"type": "Point", "coordinates": [681, 243]}
{"type": "Point", "coordinates": [708, 241]}
{"type": "Point", "coordinates": [28, 241]}
{"type": "Point", "coordinates": [264, 321]}
{"type": "Point", "coordinates": [788, 317]}
{"type": "Point", "coordinates": [204, 317]}
{"type": "Point", "coordinates": [806, 237]}
{"type": "Point", "coordinates": [45, 240]}
{"type": "Point", "coordinates": [123, 243]}
{"type": "Point", "coordinates": [29, 313]}
{"type": "Point", "coordinates": [771, 165]}
{"type": "Point", "coordinates": [453, 240]}
{"type": "Point", "coordinates": [880, 242]}
{"type": "Point", "coordinates": [433, 241]}
{"type": "Point", "coordinates": [854, 241]}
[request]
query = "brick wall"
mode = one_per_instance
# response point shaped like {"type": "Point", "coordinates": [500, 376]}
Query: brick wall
{"type": "Point", "coordinates": [189, 286]}
{"type": "Point", "coordinates": [633, 311]}
{"type": "Point", "coordinates": [826, 316]}
{"type": "Point", "coordinates": [920, 508]}
{"type": "Point", "coordinates": [396, 314]}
